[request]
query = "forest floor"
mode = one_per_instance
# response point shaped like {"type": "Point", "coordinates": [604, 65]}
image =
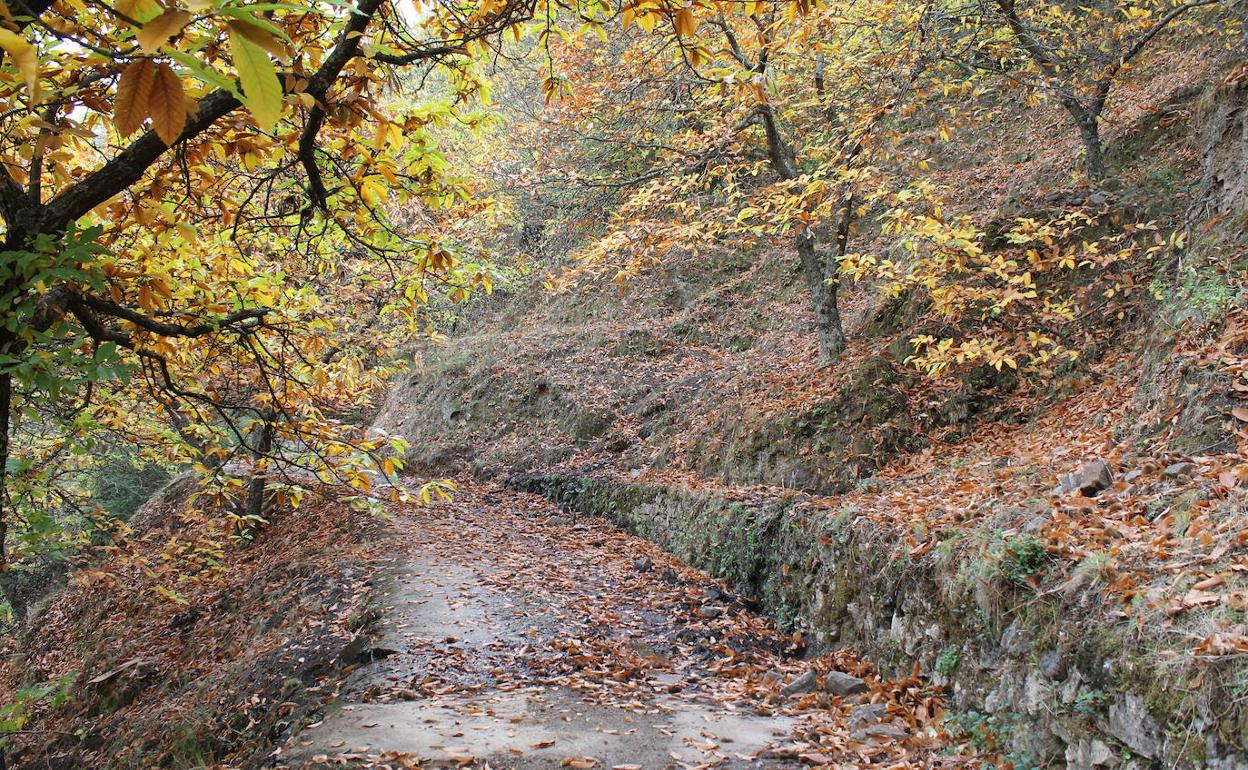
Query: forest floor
{"type": "Point", "coordinates": [509, 634]}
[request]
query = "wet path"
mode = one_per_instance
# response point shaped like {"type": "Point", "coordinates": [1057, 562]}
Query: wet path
{"type": "Point", "coordinates": [514, 636]}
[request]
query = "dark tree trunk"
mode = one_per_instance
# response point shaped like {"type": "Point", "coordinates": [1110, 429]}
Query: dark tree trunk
{"type": "Point", "coordinates": [823, 296]}
{"type": "Point", "coordinates": [820, 272]}
{"type": "Point", "coordinates": [1093, 153]}
{"type": "Point", "coordinates": [253, 506]}
{"type": "Point", "coordinates": [6, 404]}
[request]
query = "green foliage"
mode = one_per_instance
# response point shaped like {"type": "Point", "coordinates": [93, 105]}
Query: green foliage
{"type": "Point", "coordinates": [1206, 289]}
{"type": "Point", "coordinates": [1021, 558]}
{"type": "Point", "coordinates": [53, 370]}
{"type": "Point", "coordinates": [16, 713]}
{"type": "Point", "coordinates": [1091, 702]}
{"type": "Point", "coordinates": [121, 481]}
{"type": "Point", "coordinates": [947, 663]}
{"type": "Point", "coordinates": [986, 732]}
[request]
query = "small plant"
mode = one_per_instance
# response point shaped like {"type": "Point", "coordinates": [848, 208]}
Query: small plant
{"type": "Point", "coordinates": [1091, 702]}
{"type": "Point", "coordinates": [1207, 289]}
{"type": "Point", "coordinates": [1022, 558]}
{"type": "Point", "coordinates": [1019, 760]}
{"type": "Point", "coordinates": [16, 713]}
{"type": "Point", "coordinates": [985, 732]}
{"type": "Point", "coordinates": [947, 663]}
{"type": "Point", "coordinates": [866, 484]}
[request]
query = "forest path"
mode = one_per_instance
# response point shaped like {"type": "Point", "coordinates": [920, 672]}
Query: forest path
{"type": "Point", "coordinates": [511, 635]}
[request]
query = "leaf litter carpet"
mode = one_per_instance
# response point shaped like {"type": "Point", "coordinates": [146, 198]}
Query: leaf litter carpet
{"type": "Point", "coordinates": [509, 634]}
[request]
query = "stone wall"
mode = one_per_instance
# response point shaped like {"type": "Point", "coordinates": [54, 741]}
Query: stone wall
{"type": "Point", "coordinates": [1049, 679]}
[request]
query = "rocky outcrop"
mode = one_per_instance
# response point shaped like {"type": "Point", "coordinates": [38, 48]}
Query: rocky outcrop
{"type": "Point", "coordinates": [1052, 679]}
{"type": "Point", "coordinates": [1223, 189]}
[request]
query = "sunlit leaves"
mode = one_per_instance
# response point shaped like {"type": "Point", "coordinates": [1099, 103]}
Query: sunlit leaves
{"type": "Point", "coordinates": [262, 91]}
{"type": "Point", "coordinates": [25, 57]}
{"type": "Point", "coordinates": [167, 104]}
{"type": "Point", "coordinates": [149, 90]}
{"type": "Point", "coordinates": [134, 92]}
{"type": "Point", "coordinates": [157, 32]}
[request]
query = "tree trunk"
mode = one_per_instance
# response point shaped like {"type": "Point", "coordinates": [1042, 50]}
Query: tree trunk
{"type": "Point", "coordinates": [1093, 154]}
{"type": "Point", "coordinates": [820, 274]}
{"type": "Point", "coordinates": [6, 404]}
{"type": "Point", "coordinates": [823, 289]}
{"type": "Point", "coordinates": [253, 507]}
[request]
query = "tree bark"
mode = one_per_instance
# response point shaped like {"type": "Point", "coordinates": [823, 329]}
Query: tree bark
{"type": "Point", "coordinates": [253, 507]}
{"type": "Point", "coordinates": [6, 404]}
{"type": "Point", "coordinates": [1093, 154]}
{"type": "Point", "coordinates": [823, 296]}
{"type": "Point", "coordinates": [820, 272]}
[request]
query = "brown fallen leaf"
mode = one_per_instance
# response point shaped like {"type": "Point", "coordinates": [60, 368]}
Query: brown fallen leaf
{"type": "Point", "coordinates": [541, 744]}
{"type": "Point", "coordinates": [1192, 599]}
{"type": "Point", "coordinates": [1209, 583]}
{"type": "Point", "coordinates": [579, 763]}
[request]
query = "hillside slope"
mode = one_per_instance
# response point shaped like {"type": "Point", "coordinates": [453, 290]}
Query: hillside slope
{"type": "Point", "coordinates": [1064, 549]}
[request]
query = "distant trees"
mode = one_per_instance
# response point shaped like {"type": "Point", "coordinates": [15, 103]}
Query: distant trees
{"type": "Point", "coordinates": [760, 140]}
{"type": "Point", "coordinates": [1079, 52]}
{"type": "Point", "coordinates": [797, 120]}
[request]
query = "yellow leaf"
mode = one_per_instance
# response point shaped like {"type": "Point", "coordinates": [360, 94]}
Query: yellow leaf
{"type": "Point", "coordinates": [686, 24]}
{"type": "Point", "coordinates": [134, 91]}
{"type": "Point", "coordinates": [262, 92]}
{"type": "Point", "coordinates": [141, 11]}
{"type": "Point", "coordinates": [167, 105]}
{"type": "Point", "coordinates": [260, 36]}
{"type": "Point", "coordinates": [25, 57]}
{"type": "Point", "coordinates": [647, 21]}
{"type": "Point", "coordinates": [157, 32]}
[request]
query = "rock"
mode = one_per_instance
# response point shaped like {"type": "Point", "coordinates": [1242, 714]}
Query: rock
{"type": "Point", "coordinates": [1088, 755]}
{"type": "Point", "coordinates": [1066, 484]}
{"type": "Point", "coordinates": [803, 684]}
{"type": "Point", "coordinates": [558, 521]}
{"type": "Point", "coordinates": [1179, 469]}
{"type": "Point", "coordinates": [670, 575]}
{"type": "Point", "coordinates": [643, 564]}
{"type": "Point", "coordinates": [714, 594]}
{"type": "Point", "coordinates": [353, 649]}
{"type": "Point", "coordinates": [709, 612]}
{"type": "Point", "coordinates": [867, 714]}
{"type": "Point", "coordinates": [1053, 664]}
{"type": "Point", "coordinates": [840, 683]}
{"type": "Point", "coordinates": [1130, 722]}
{"type": "Point", "coordinates": [377, 652]}
{"type": "Point", "coordinates": [890, 732]}
{"type": "Point", "coordinates": [1093, 478]}
{"type": "Point", "coordinates": [1132, 475]}
{"type": "Point", "coordinates": [1016, 640]}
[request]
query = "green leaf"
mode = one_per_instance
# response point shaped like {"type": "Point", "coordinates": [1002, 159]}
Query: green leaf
{"type": "Point", "coordinates": [248, 15]}
{"type": "Point", "coordinates": [205, 74]}
{"type": "Point", "coordinates": [262, 91]}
